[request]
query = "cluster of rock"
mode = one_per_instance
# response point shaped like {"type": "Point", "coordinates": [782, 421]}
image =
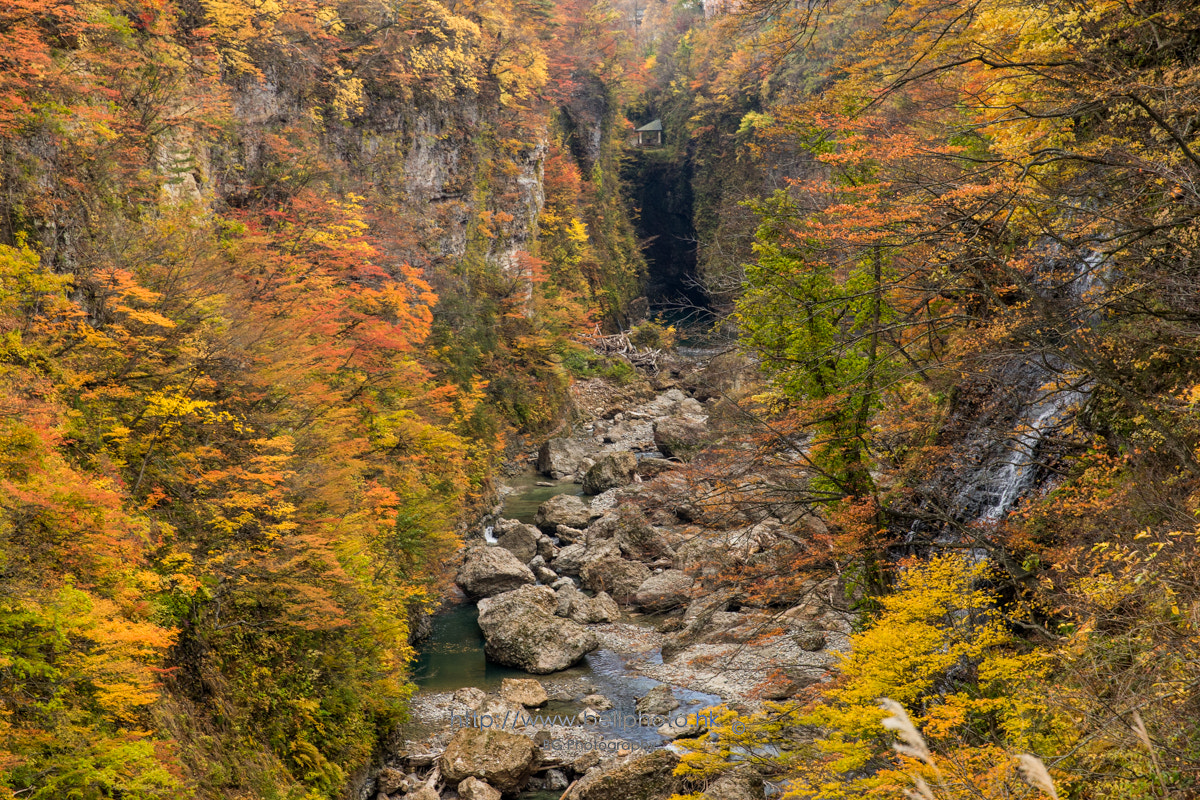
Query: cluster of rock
{"type": "Point", "coordinates": [550, 592]}
{"type": "Point", "coordinates": [536, 593]}
{"type": "Point", "coordinates": [602, 457]}
{"type": "Point", "coordinates": [487, 762]}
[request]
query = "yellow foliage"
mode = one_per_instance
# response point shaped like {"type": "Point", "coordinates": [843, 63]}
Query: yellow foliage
{"type": "Point", "coordinates": [940, 622]}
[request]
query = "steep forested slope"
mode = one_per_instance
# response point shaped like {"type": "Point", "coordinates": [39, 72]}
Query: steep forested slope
{"type": "Point", "coordinates": [273, 289]}
{"type": "Point", "coordinates": [961, 237]}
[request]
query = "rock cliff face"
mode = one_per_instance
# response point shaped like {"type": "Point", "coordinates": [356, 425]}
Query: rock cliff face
{"type": "Point", "coordinates": [428, 159]}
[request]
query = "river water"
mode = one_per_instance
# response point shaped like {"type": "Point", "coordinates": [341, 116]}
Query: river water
{"type": "Point", "coordinates": [453, 655]}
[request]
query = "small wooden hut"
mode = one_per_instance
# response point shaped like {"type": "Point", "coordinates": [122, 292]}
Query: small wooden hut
{"type": "Point", "coordinates": [650, 134]}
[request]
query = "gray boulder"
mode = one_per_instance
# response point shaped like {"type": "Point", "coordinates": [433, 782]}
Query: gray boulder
{"type": "Point", "coordinates": [659, 700]}
{"type": "Point", "coordinates": [597, 702]}
{"type": "Point", "coordinates": [390, 780]}
{"type": "Point", "coordinates": [559, 458]}
{"type": "Point", "coordinates": [667, 589]}
{"type": "Point", "coordinates": [620, 578]}
{"type": "Point", "coordinates": [423, 792]}
{"type": "Point", "coordinates": [547, 549]}
{"type": "Point", "coordinates": [521, 541]}
{"type": "Point", "coordinates": [680, 437]}
{"type": "Point", "coordinates": [653, 467]}
{"type": "Point", "coordinates": [556, 780]}
{"type": "Point", "coordinates": [810, 640]}
{"type": "Point", "coordinates": [693, 725]}
{"type": "Point", "coordinates": [610, 472]}
{"type": "Point", "coordinates": [604, 608]}
{"type": "Point", "coordinates": [636, 538]}
{"type": "Point", "coordinates": [489, 571]}
{"type": "Point", "coordinates": [642, 542]}
{"type": "Point", "coordinates": [568, 535]}
{"type": "Point", "coordinates": [737, 785]}
{"type": "Point", "coordinates": [527, 692]}
{"type": "Point", "coordinates": [699, 615]}
{"type": "Point", "coordinates": [578, 607]}
{"type": "Point", "coordinates": [502, 759]}
{"type": "Point", "coordinates": [645, 777]}
{"type": "Point", "coordinates": [520, 629]}
{"type": "Point", "coordinates": [563, 509]}
{"type": "Point", "coordinates": [470, 697]}
{"type": "Point", "coordinates": [474, 789]}
{"type": "Point", "coordinates": [700, 611]}
{"type": "Point", "coordinates": [570, 559]}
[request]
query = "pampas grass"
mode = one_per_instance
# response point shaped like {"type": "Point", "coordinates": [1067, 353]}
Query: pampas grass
{"type": "Point", "coordinates": [912, 744]}
{"type": "Point", "coordinates": [1035, 774]}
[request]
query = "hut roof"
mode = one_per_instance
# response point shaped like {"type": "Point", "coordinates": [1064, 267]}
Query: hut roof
{"type": "Point", "coordinates": [656, 125]}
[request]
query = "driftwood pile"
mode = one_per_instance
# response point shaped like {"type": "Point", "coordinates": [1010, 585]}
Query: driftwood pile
{"type": "Point", "coordinates": [619, 344]}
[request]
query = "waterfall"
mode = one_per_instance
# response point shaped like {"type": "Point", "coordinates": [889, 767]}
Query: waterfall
{"type": "Point", "coordinates": [1038, 401]}
{"type": "Point", "coordinates": [997, 485]}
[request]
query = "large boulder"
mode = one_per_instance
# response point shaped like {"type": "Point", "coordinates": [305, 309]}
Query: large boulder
{"type": "Point", "coordinates": [699, 615]}
{"type": "Point", "coordinates": [547, 549]}
{"type": "Point", "coordinates": [470, 697]}
{"type": "Point", "coordinates": [577, 606]}
{"type": "Point", "coordinates": [520, 540]}
{"type": "Point", "coordinates": [390, 780]}
{"type": "Point", "coordinates": [502, 759]}
{"type": "Point", "coordinates": [560, 458]}
{"type": "Point", "coordinates": [680, 437]}
{"type": "Point", "coordinates": [642, 542]}
{"type": "Point", "coordinates": [570, 559]}
{"type": "Point", "coordinates": [706, 554]}
{"type": "Point", "coordinates": [423, 792]}
{"type": "Point", "coordinates": [527, 692]}
{"type": "Point", "coordinates": [692, 725]}
{"type": "Point", "coordinates": [489, 571]}
{"type": "Point", "coordinates": [620, 578]}
{"type": "Point", "coordinates": [502, 713]}
{"type": "Point", "coordinates": [810, 640]}
{"type": "Point", "coordinates": [636, 538]}
{"type": "Point", "coordinates": [701, 610]}
{"type": "Point", "coordinates": [660, 700]}
{"type": "Point", "coordinates": [653, 467]}
{"type": "Point", "coordinates": [474, 789]}
{"type": "Point", "coordinates": [568, 535]}
{"type": "Point", "coordinates": [563, 509]}
{"type": "Point", "coordinates": [601, 550]}
{"type": "Point", "coordinates": [667, 589]}
{"type": "Point", "coordinates": [645, 777]}
{"type": "Point", "coordinates": [737, 785]}
{"type": "Point", "coordinates": [520, 629]}
{"type": "Point", "coordinates": [610, 472]}
{"type": "Point", "coordinates": [604, 608]}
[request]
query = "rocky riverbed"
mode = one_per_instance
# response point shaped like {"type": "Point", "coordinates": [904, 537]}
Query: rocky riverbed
{"type": "Point", "coordinates": [603, 602]}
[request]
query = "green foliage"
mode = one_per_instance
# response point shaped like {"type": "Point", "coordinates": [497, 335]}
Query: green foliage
{"type": "Point", "coordinates": [583, 363]}
{"type": "Point", "coordinates": [653, 334]}
{"type": "Point", "coordinates": [816, 324]}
